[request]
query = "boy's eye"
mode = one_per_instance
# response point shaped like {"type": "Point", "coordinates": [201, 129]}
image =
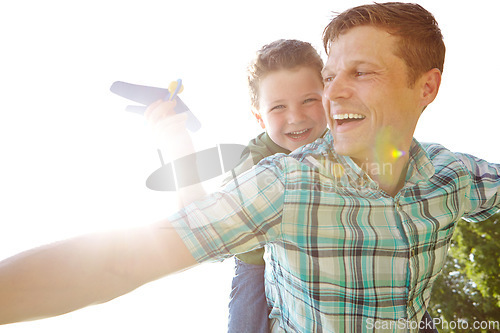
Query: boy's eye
{"type": "Point", "coordinates": [277, 107]}
{"type": "Point", "coordinates": [309, 100]}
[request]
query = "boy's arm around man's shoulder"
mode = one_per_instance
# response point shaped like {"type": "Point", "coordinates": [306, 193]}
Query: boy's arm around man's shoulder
{"type": "Point", "coordinates": [71, 274]}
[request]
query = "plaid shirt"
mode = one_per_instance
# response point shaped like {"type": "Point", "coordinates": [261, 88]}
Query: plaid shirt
{"type": "Point", "coordinates": [342, 255]}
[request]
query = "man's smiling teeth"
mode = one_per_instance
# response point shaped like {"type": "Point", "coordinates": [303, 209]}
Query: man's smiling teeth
{"type": "Point", "coordinates": [347, 116]}
{"type": "Point", "coordinates": [299, 132]}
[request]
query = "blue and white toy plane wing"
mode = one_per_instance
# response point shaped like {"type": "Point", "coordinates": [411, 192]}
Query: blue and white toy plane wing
{"type": "Point", "coordinates": [146, 95]}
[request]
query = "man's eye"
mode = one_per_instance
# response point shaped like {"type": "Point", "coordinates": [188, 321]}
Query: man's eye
{"type": "Point", "coordinates": [328, 79]}
{"type": "Point", "coordinates": [358, 74]}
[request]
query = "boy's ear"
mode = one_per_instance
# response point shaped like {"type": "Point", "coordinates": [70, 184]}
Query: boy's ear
{"type": "Point", "coordinates": [430, 86]}
{"type": "Point", "coordinates": [258, 116]}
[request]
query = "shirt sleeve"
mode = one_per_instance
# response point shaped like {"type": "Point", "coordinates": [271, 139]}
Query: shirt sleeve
{"type": "Point", "coordinates": [242, 216]}
{"type": "Point", "coordinates": [484, 194]}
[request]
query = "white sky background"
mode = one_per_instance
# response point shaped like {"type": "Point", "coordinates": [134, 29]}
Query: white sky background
{"type": "Point", "coordinates": [73, 161]}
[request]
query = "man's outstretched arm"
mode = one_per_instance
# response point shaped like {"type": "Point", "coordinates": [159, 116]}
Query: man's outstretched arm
{"type": "Point", "coordinates": [91, 269]}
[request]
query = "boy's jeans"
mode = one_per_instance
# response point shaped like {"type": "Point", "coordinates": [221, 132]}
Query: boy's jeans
{"type": "Point", "coordinates": [248, 306]}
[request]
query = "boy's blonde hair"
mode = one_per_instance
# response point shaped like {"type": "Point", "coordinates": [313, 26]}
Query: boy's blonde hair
{"type": "Point", "coordinates": [281, 54]}
{"type": "Point", "coordinates": [420, 43]}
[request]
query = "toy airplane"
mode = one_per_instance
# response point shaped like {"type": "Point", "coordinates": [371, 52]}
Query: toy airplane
{"type": "Point", "coordinates": [190, 169]}
{"type": "Point", "coordinates": [147, 95]}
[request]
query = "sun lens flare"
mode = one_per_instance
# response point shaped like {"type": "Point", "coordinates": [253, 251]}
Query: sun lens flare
{"type": "Point", "coordinates": [397, 153]}
{"type": "Point", "coordinates": [385, 146]}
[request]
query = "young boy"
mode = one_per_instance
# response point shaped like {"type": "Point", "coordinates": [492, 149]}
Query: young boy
{"type": "Point", "coordinates": [286, 94]}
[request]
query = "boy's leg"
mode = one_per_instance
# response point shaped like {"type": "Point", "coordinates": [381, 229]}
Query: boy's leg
{"type": "Point", "coordinates": [427, 324]}
{"type": "Point", "coordinates": [248, 310]}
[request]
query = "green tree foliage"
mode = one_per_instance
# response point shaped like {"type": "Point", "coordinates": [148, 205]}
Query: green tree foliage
{"type": "Point", "coordinates": [469, 286]}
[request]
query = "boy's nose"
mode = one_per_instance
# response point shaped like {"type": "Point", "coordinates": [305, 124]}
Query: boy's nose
{"type": "Point", "coordinates": [296, 115]}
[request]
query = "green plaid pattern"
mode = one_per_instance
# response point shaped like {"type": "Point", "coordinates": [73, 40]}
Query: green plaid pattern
{"type": "Point", "coordinates": [341, 254]}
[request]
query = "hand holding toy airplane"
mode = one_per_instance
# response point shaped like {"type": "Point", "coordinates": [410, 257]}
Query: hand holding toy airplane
{"type": "Point", "coordinates": [188, 170]}
{"type": "Point", "coordinates": [147, 95]}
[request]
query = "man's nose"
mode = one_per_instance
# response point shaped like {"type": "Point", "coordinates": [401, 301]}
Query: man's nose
{"type": "Point", "coordinates": [338, 87]}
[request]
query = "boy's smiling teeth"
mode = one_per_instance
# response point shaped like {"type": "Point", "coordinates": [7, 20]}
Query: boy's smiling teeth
{"type": "Point", "coordinates": [299, 132]}
{"type": "Point", "coordinates": [347, 116]}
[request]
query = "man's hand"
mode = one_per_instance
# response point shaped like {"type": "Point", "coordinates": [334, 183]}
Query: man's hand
{"type": "Point", "coordinates": [69, 275]}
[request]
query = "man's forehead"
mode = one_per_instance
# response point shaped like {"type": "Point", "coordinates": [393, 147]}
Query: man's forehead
{"type": "Point", "coordinates": [365, 44]}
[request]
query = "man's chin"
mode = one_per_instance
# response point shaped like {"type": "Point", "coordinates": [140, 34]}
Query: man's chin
{"type": "Point", "coordinates": [344, 148]}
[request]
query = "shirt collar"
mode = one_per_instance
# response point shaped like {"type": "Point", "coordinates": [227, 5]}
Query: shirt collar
{"type": "Point", "coordinates": [420, 167]}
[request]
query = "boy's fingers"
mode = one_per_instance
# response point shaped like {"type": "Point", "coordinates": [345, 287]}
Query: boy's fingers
{"type": "Point", "coordinates": [173, 103]}
{"type": "Point", "coordinates": [169, 128]}
{"type": "Point", "coordinates": [160, 110]}
{"type": "Point", "coordinates": [151, 107]}
{"type": "Point", "coordinates": [171, 123]}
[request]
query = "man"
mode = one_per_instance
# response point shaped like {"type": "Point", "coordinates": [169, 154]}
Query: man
{"type": "Point", "coordinates": [394, 203]}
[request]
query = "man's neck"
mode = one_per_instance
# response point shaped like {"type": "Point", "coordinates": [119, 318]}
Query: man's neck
{"type": "Point", "coordinates": [388, 172]}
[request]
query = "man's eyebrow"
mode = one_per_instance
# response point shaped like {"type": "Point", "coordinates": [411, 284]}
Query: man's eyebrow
{"type": "Point", "coordinates": [363, 62]}
{"type": "Point", "coordinates": [351, 64]}
{"type": "Point", "coordinates": [324, 71]}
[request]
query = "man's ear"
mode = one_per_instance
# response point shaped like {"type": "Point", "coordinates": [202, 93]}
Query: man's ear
{"type": "Point", "coordinates": [430, 86]}
{"type": "Point", "coordinates": [258, 116]}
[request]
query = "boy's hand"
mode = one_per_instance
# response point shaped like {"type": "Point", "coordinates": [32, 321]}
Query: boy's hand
{"type": "Point", "coordinates": [169, 128]}
{"type": "Point", "coordinates": [171, 134]}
